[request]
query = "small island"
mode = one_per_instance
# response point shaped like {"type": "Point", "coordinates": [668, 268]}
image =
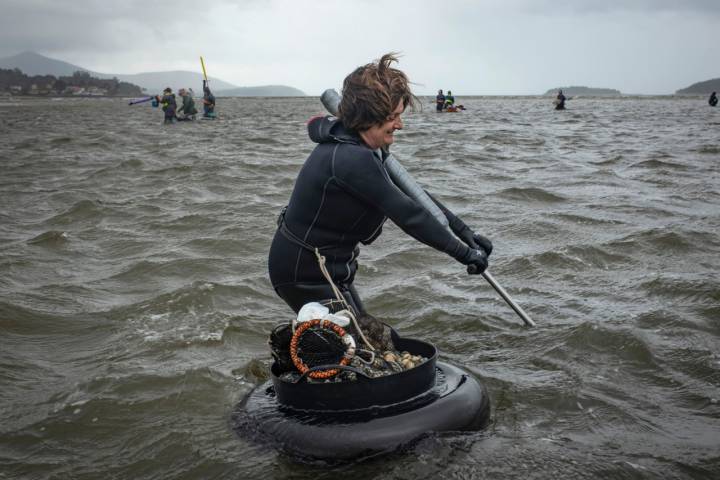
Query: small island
{"type": "Point", "coordinates": [585, 92]}
{"type": "Point", "coordinates": [701, 88]}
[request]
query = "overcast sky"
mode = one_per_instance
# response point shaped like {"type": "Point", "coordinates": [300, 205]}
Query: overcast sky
{"type": "Point", "coordinates": [484, 47]}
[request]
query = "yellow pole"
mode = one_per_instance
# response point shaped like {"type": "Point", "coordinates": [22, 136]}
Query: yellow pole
{"type": "Point", "coordinates": [203, 67]}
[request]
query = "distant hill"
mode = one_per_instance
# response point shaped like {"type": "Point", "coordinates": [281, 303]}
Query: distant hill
{"type": "Point", "coordinates": [585, 91]}
{"type": "Point", "coordinates": [264, 91]}
{"type": "Point", "coordinates": [701, 88]}
{"type": "Point", "coordinates": [32, 63]}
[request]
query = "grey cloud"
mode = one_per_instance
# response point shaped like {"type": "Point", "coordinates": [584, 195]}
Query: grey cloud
{"type": "Point", "coordinates": [499, 46]}
{"type": "Point", "coordinates": [710, 7]}
{"type": "Point", "coordinates": [91, 25]}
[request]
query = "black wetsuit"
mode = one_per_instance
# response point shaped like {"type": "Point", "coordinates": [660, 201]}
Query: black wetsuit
{"type": "Point", "coordinates": [169, 106]}
{"type": "Point", "coordinates": [560, 102]}
{"type": "Point", "coordinates": [713, 100]}
{"type": "Point", "coordinates": [208, 101]}
{"type": "Point", "coordinates": [187, 108]}
{"type": "Point", "coordinates": [342, 197]}
{"type": "Point", "coordinates": [440, 102]}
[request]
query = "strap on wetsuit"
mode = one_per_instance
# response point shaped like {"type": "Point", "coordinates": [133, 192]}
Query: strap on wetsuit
{"type": "Point", "coordinates": [285, 231]}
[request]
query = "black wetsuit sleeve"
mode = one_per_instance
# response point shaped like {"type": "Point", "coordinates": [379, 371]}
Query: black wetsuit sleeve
{"type": "Point", "coordinates": [455, 223]}
{"type": "Point", "coordinates": [362, 174]}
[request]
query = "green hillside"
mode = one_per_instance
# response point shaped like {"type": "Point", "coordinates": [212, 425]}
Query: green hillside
{"type": "Point", "coordinates": [701, 88]}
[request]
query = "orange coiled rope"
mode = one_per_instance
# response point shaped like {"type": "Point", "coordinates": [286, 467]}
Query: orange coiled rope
{"type": "Point", "coordinates": [299, 364]}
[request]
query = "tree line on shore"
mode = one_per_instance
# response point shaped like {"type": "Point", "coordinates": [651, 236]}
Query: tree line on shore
{"type": "Point", "coordinates": [15, 82]}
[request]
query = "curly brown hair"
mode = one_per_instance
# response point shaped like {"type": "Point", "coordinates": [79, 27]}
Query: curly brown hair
{"type": "Point", "coordinates": [372, 92]}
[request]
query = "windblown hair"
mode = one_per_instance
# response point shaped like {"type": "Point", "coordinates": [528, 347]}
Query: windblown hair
{"type": "Point", "coordinates": [372, 92]}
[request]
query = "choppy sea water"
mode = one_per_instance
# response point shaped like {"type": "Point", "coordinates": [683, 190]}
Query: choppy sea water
{"type": "Point", "coordinates": [135, 304]}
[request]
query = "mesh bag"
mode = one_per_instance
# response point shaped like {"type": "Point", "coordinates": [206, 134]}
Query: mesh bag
{"type": "Point", "coordinates": [320, 346]}
{"type": "Point", "coordinates": [320, 342]}
{"type": "Point", "coordinates": [377, 333]}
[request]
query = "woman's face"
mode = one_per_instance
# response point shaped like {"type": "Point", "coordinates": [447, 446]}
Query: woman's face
{"type": "Point", "coordinates": [382, 135]}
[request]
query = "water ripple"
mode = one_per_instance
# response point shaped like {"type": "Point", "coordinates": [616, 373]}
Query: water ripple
{"type": "Point", "coordinates": [135, 303]}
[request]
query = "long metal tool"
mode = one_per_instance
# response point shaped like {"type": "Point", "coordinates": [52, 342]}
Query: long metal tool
{"type": "Point", "coordinates": [472, 269]}
{"type": "Point", "coordinates": [501, 291]}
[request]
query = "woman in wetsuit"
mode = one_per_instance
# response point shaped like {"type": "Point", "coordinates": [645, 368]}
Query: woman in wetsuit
{"type": "Point", "coordinates": [343, 195]}
{"type": "Point", "coordinates": [169, 105]}
{"type": "Point", "coordinates": [208, 101]}
{"type": "Point", "coordinates": [188, 106]}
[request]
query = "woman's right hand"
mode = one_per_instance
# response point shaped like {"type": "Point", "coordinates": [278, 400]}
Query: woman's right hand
{"type": "Point", "coordinates": [476, 261]}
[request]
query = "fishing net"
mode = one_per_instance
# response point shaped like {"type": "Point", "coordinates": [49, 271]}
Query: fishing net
{"type": "Point", "coordinates": [317, 344]}
{"type": "Point", "coordinates": [320, 346]}
{"type": "Point", "coordinates": [378, 334]}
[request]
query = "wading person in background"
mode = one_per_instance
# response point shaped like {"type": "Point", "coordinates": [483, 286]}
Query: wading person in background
{"type": "Point", "coordinates": [440, 101]}
{"type": "Point", "coordinates": [208, 101]}
{"type": "Point", "coordinates": [187, 108]}
{"type": "Point", "coordinates": [343, 195]}
{"type": "Point", "coordinates": [169, 105]}
{"type": "Point", "coordinates": [560, 101]}
{"type": "Point", "coordinates": [449, 99]}
{"type": "Point", "coordinates": [712, 101]}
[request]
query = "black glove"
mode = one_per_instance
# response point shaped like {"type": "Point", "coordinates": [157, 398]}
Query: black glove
{"type": "Point", "coordinates": [476, 261]}
{"type": "Point", "coordinates": [483, 242]}
{"type": "Point", "coordinates": [475, 240]}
